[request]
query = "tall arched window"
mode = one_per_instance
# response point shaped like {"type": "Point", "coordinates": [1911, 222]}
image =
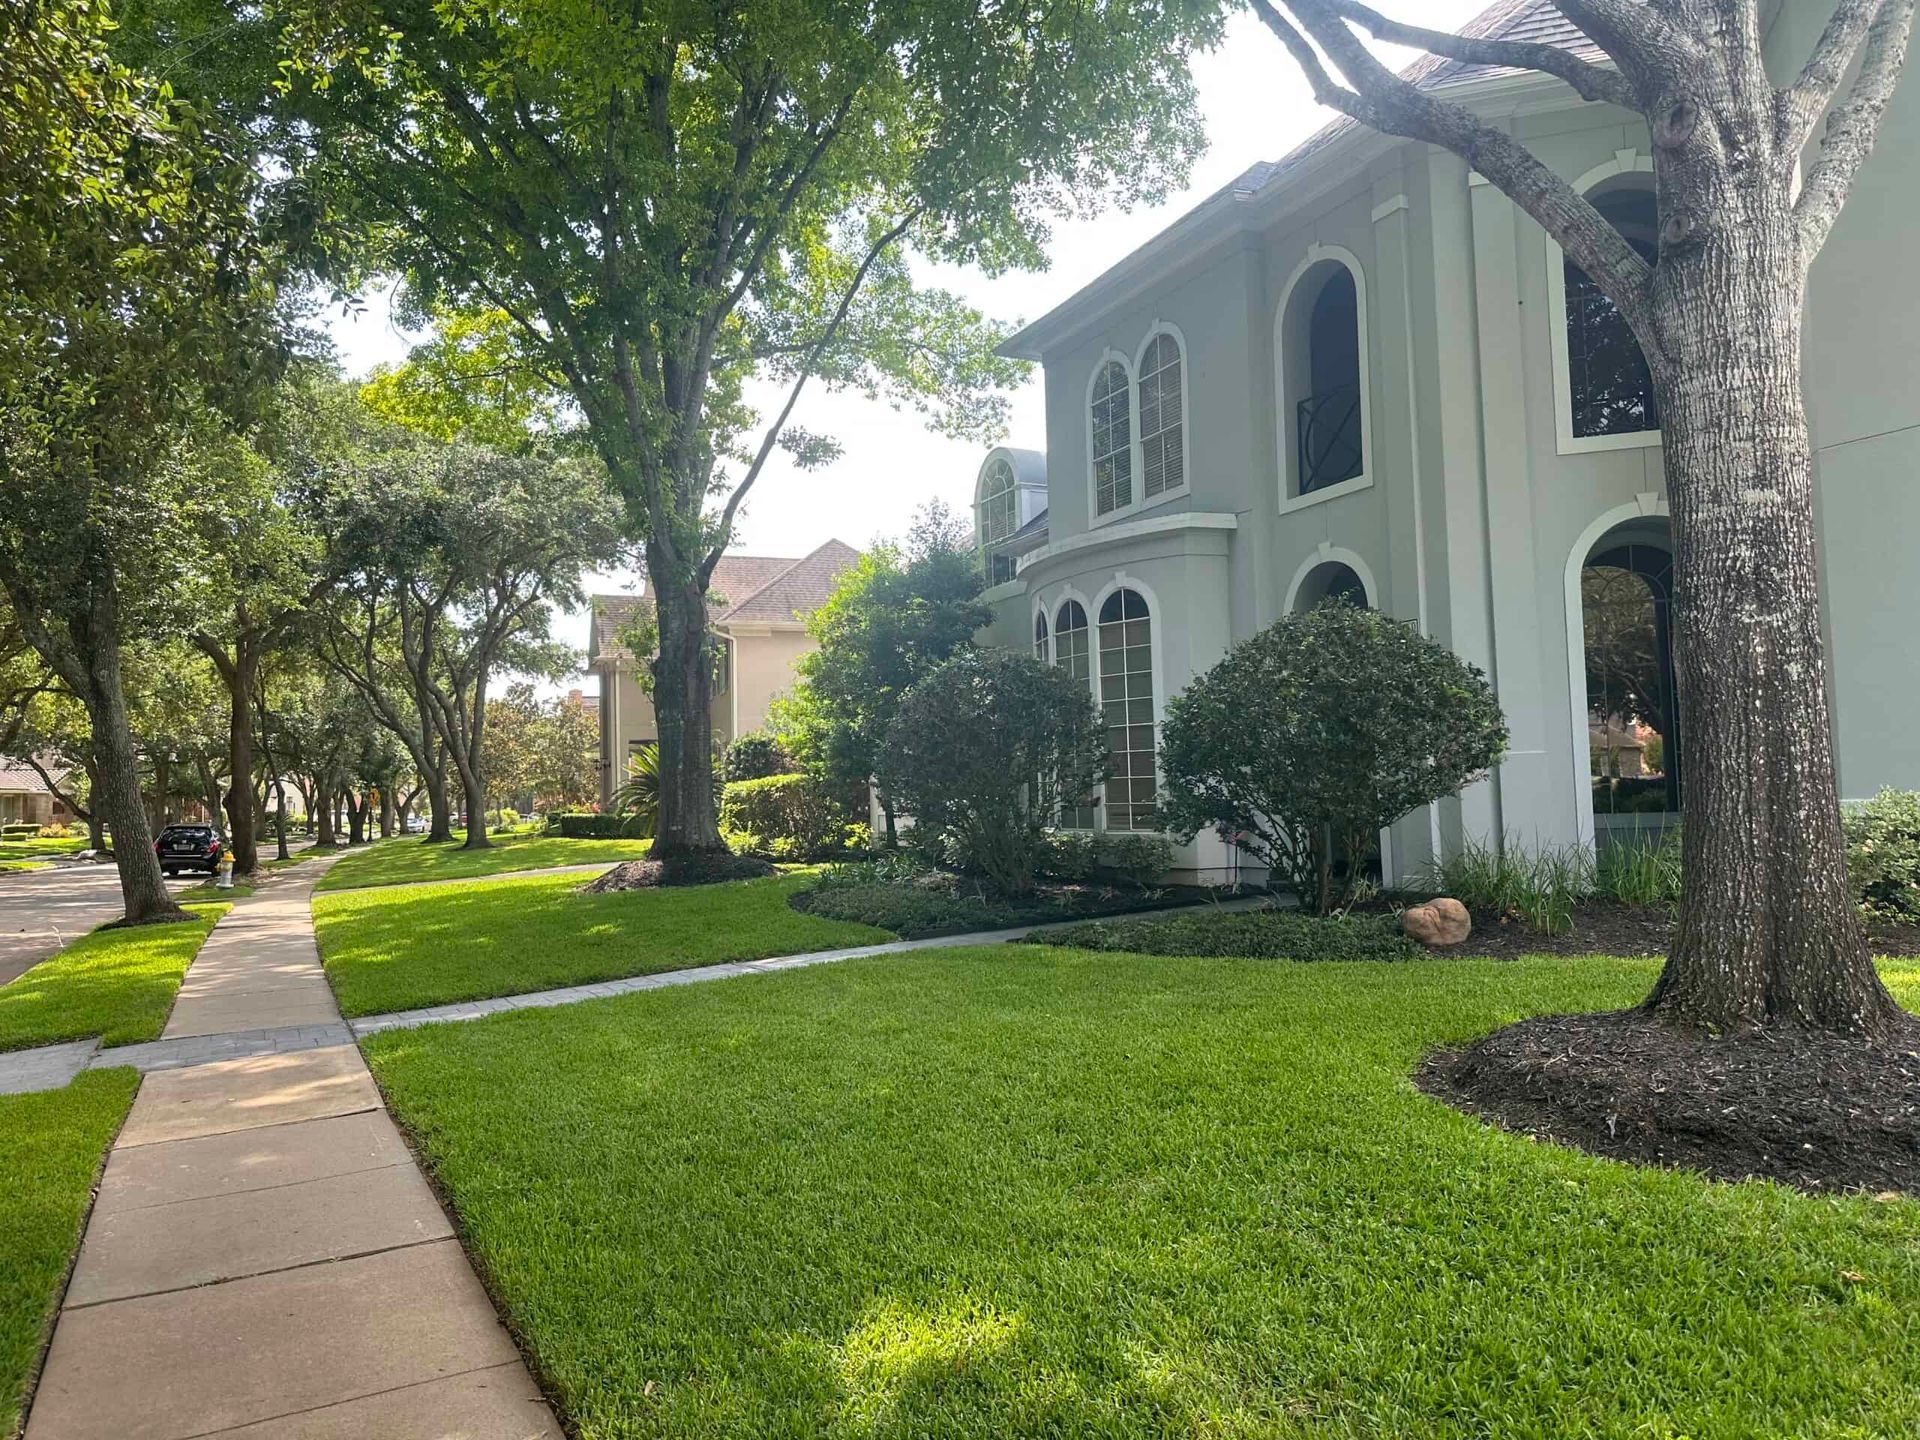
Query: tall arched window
{"type": "Point", "coordinates": [1610, 388]}
{"type": "Point", "coordinates": [1126, 700]}
{"type": "Point", "coordinates": [1071, 654]}
{"type": "Point", "coordinates": [1321, 330]}
{"type": "Point", "coordinates": [1333, 580]}
{"type": "Point", "coordinates": [996, 515]}
{"type": "Point", "coordinates": [1163, 458]}
{"type": "Point", "coordinates": [1112, 420]}
{"type": "Point", "coordinates": [1040, 638]}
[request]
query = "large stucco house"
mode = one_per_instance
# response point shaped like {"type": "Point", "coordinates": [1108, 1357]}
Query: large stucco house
{"type": "Point", "coordinates": [759, 604]}
{"type": "Point", "coordinates": [1362, 369]}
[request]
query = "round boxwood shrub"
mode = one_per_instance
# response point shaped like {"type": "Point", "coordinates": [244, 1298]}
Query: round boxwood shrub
{"type": "Point", "coordinates": [1310, 738]}
{"type": "Point", "coordinates": [754, 756]}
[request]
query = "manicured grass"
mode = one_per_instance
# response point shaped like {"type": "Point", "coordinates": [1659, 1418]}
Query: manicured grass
{"type": "Point", "coordinates": [404, 860]}
{"type": "Point", "coordinates": [397, 949]}
{"type": "Point", "coordinates": [117, 984]}
{"type": "Point", "coordinates": [50, 845]}
{"type": "Point", "coordinates": [51, 1145]}
{"type": "Point", "coordinates": [23, 867]}
{"type": "Point", "coordinates": [1037, 1192]}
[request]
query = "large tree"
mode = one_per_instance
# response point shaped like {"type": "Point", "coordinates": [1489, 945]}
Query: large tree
{"type": "Point", "coordinates": [673, 197]}
{"type": "Point", "coordinates": [1746, 198]}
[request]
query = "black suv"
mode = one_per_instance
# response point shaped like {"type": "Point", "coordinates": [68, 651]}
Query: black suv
{"type": "Point", "coordinates": [188, 847]}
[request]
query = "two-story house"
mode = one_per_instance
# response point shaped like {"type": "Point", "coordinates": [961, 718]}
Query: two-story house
{"type": "Point", "coordinates": [1363, 370]}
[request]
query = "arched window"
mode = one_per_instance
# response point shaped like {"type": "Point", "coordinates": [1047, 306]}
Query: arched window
{"type": "Point", "coordinates": [1633, 732]}
{"type": "Point", "coordinates": [1323, 397]}
{"type": "Point", "coordinates": [1071, 654]}
{"type": "Point", "coordinates": [1040, 638]}
{"type": "Point", "coordinates": [1163, 458]}
{"type": "Point", "coordinates": [996, 515]}
{"type": "Point", "coordinates": [1332, 580]}
{"type": "Point", "coordinates": [1610, 388]}
{"type": "Point", "coordinates": [1126, 700]}
{"type": "Point", "coordinates": [1112, 417]}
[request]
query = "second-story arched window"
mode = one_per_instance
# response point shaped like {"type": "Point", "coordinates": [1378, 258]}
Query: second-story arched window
{"type": "Point", "coordinates": [1163, 456]}
{"type": "Point", "coordinates": [1111, 416]}
{"type": "Point", "coordinates": [1320, 335]}
{"type": "Point", "coordinates": [1609, 387]}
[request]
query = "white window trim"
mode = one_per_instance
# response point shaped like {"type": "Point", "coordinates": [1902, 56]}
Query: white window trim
{"type": "Point", "coordinates": [1330, 554]}
{"type": "Point", "coordinates": [1156, 615]}
{"type": "Point", "coordinates": [1136, 453]}
{"type": "Point", "coordinates": [1068, 594]}
{"type": "Point", "coordinates": [1624, 162]}
{"type": "Point", "coordinates": [1108, 357]}
{"type": "Point", "coordinates": [1290, 499]}
{"type": "Point", "coordinates": [1041, 617]}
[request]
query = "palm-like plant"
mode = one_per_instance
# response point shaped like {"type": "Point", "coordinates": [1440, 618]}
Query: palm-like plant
{"type": "Point", "coordinates": [639, 795]}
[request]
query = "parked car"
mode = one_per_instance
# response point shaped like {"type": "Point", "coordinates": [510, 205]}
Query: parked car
{"type": "Point", "coordinates": [188, 847]}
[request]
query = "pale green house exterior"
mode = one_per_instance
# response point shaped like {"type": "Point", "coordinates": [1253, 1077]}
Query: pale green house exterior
{"type": "Point", "coordinates": [1478, 499]}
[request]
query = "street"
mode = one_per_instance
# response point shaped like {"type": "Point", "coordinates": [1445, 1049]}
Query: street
{"type": "Point", "coordinates": [42, 910]}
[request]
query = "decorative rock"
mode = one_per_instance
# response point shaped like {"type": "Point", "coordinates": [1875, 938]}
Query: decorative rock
{"type": "Point", "coordinates": [1438, 923]}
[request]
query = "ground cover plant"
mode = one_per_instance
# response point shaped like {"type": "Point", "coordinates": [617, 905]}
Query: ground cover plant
{"type": "Point", "coordinates": [1028, 1191]}
{"type": "Point", "coordinates": [1268, 934]}
{"type": "Point", "coordinates": [51, 1146]}
{"type": "Point", "coordinates": [396, 949]}
{"type": "Point", "coordinates": [118, 984]}
{"type": "Point", "coordinates": [407, 861]}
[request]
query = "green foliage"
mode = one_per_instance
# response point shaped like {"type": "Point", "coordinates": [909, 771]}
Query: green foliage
{"type": "Point", "coordinates": [789, 817]}
{"type": "Point", "coordinates": [601, 827]}
{"type": "Point", "coordinates": [1640, 872]}
{"type": "Point", "coordinates": [754, 756]}
{"type": "Point", "coordinates": [405, 861]}
{"type": "Point", "coordinates": [1883, 855]}
{"type": "Point", "coordinates": [1022, 1191]}
{"type": "Point", "coordinates": [978, 753]}
{"type": "Point", "coordinates": [51, 1147]}
{"type": "Point", "coordinates": [1254, 934]}
{"type": "Point", "coordinates": [117, 984]}
{"type": "Point", "coordinates": [898, 893]}
{"type": "Point", "coordinates": [892, 619]}
{"type": "Point", "coordinates": [1082, 855]}
{"type": "Point", "coordinates": [474, 379]}
{"type": "Point", "coordinates": [1310, 738]}
{"type": "Point", "coordinates": [1537, 887]}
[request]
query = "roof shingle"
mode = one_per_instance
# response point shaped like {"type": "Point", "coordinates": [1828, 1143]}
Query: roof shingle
{"type": "Point", "coordinates": [756, 589]}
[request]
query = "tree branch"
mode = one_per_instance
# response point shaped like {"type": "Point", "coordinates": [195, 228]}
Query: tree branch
{"type": "Point", "coordinates": [1802, 103]}
{"type": "Point", "coordinates": [1853, 127]}
{"type": "Point", "coordinates": [772, 436]}
{"type": "Point", "coordinates": [1386, 102]}
{"type": "Point", "coordinates": [1589, 81]}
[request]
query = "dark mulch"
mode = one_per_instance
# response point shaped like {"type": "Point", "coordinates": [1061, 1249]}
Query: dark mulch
{"type": "Point", "coordinates": [680, 870]}
{"type": "Point", "coordinates": [1814, 1110]}
{"type": "Point", "coordinates": [1607, 927]}
{"type": "Point", "coordinates": [944, 904]}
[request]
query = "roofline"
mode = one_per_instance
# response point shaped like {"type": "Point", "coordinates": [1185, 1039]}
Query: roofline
{"type": "Point", "coordinates": [1207, 227]}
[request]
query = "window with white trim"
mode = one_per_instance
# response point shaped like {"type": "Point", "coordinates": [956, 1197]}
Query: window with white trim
{"type": "Point", "coordinates": [1610, 388]}
{"type": "Point", "coordinates": [1112, 416]}
{"type": "Point", "coordinates": [1040, 638]}
{"type": "Point", "coordinates": [1322, 405]}
{"type": "Point", "coordinates": [1126, 702]}
{"type": "Point", "coordinates": [1071, 654]}
{"type": "Point", "coordinates": [1163, 459]}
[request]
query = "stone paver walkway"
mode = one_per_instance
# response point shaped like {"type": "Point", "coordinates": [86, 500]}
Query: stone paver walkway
{"type": "Point", "coordinates": [264, 1259]}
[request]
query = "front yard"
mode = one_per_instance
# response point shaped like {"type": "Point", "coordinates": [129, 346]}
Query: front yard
{"type": "Point", "coordinates": [402, 948]}
{"type": "Point", "coordinates": [406, 860]}
{"type": "Point", "coordinates": [118, 984]}
{"type": "Point", "coordinates": [1033, 1191]}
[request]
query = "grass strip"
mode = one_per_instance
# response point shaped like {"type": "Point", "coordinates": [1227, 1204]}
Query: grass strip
{"type": "Point", "coordinates": [118, 984]}
{"type": "Point", "coordinates": [409, 860]}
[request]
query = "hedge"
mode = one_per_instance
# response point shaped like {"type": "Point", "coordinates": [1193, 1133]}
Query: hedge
{"type": "Point", "coordinates": [1258, 934]}
{"type": "Point", "coordinates": [789, 817]}
{"type": "Point", "coordinates": [596, 827]}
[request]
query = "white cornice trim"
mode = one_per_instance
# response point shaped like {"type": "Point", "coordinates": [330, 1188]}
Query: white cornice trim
{"type": "Point", "coordinates": [1131, 530]}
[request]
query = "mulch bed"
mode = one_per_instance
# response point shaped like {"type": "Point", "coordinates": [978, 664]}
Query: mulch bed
{"type": "Point", "coordinates": [679, 870]}
{"type": "Point", "coordinates": [1817, 1111]}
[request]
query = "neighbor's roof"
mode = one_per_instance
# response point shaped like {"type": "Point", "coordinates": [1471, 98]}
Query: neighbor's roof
{"type": "Point", "coordinates": [1521, 20]}
{"type": "Point", "coordinates": [755, 589]}
{"type": "Point", "coordinates": [17, 775]}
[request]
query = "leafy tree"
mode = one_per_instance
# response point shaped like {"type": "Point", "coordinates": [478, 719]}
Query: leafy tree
{"type": "Point", "coordinates": [978, 751]}
{"type": "Point", "coordinates": [131, 245]}
{"type": "Point", "coordinates": [892, 619]}
{"type": "Point", "coordinates": [1746, 199]}
{"type": "Point", "coordinates": [473, 380]}
{"type": "Point", "coordinates": [545, 752]}
{"type": "Point", "coordinates": [673, 197]}
{"type": "Point", "coordinates": [1309, 739]}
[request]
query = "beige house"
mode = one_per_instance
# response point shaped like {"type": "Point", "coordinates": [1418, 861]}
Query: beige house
{"type": "Point", "coordinates": [25, 798]}
{"type": "Point", "coordinates": [760, 604]}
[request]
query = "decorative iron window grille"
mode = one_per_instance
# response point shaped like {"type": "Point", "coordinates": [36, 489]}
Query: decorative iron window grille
{"type": "Point", "coordinates": [1327, 433]}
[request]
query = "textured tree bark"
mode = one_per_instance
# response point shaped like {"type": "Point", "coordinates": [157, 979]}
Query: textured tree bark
{"type": "Point", "coordinates": [1768, 929]}
{"type": "Point", "coordinates": [682, 707]}
{"type": "Point", "coordinates": [324, 833]}
{"type": "Point", "coordinates": [241, 676]}
{"type": "Point", "coordinates": [386, 813]}
{"type": "Point", "coordinates": [116, 798]}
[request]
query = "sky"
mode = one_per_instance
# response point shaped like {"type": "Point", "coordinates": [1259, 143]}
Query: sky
{"type": "Point", "coordinates": [1255, 106]}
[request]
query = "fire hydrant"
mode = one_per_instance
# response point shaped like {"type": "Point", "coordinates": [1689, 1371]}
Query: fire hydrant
{"type": "Point", "coordinates": [225, 881]}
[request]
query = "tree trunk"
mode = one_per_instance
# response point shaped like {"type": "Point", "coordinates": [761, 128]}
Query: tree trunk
{"type": "Point", "coordinates": [116, 797]}
{"type": "Point", "coordinates": [240, 679]}
{"type": "Point", "coordinates": [322, 817]}
{"type": "Point", "coordinates": [1768, 929]}
{"type": "Point", "coordinates": [386, 812]}
{"type": "Point", "coordinates": [162, 777]}
{"type": "Point", "coordinates": [433, 775]}
{"type": "Point", "coordinates": [683, 711]}
{"type": "Point", "coordinates": [356, 818]}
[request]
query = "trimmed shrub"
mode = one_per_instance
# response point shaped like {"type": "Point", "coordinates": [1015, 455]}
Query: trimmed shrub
{"type": "Point", "coordinates": [19, 832]}
{"type": "Point", "coordinates": [1883, 855]}
{"type": "Point", "coordinates": [601, 827]}
{"type": "Point", "coordinates": [787, 817]}
{"type": "Point", "coordinates": [1079, 856]}
{"type": "Point", "coordinates": [755, 756]}
{"type": "Point", "coordinates": [1255, 934]}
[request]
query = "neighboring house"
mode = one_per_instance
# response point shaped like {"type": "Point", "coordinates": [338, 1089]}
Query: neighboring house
{"type": "Point", "coordinates": [760, 604]}
{"type": "Point", "coordinates": [1363, 370]}
{"type": "Point", "coordinates": [25, 798]}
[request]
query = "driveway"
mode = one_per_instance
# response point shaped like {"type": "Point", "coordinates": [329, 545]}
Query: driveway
{"type": "Point", "coordinates": [41, 910]}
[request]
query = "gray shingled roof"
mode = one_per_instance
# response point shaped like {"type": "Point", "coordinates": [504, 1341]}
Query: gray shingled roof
{"type": "Point", "coordinates": [17, 775]}
{"type": "Point", "coordinates": [758, 589]}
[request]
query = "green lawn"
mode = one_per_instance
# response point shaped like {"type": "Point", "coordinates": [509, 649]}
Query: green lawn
{"type": "Point", "coordinates": [22, 867]}
{"type": "Point", "coordinates": [405, 860]}
{"type": "Point", "coordinates": [397, 949]}
{"type": "Point", "coordinates": [117, 984]}
{"type": "Point", "coordinates": [51, 1145]}
{"type": "Point", "coordinates": [28, 849]}
{"type": "Point", "coordinates": [1036, 1192]}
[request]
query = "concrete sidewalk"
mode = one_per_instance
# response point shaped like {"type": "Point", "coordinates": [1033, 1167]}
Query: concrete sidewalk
{"type": "Point", "coordinates": [265, 1259]}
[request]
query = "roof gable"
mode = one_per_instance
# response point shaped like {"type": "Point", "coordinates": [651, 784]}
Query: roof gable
{"type": "Point", "coordinates": [757, 589]}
